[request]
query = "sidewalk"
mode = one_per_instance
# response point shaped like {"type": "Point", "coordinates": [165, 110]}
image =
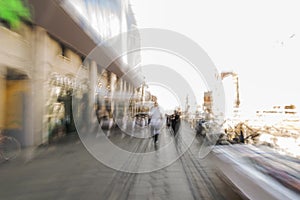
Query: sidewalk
{"type": "Point", "coordinates": [27, 154]}
{"type": "Point", "coordinates": [66, 170]}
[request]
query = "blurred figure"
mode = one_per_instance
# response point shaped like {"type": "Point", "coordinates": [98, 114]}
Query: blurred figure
{"type": "Point", "coordinates": [200, 129]}
{"type": "Point", "coordinates": [146, 120]}
{"type": "Point", "coordinates": [168, 120]}
{"type": "Point", "coordinates": [242, 138]}
{"type": "Point", "coordinates": [66, 100]}
{"type": "Point", "coordinates": [133, 122]}
{"type": "Point", "coordinates": [143, 122]}
{"type": "Point", "coordinates": [110, 123]}
{"type": "Point", "coordinates": [124, 122]}
{"type": "Point", "coordinates": [156, 121]}
{"type": "Point", "coordinates": [56, 124]}
{"type": "Point", "coordinates": [175, 122]}
{"type": "Point", "coordinates": [103, 117]}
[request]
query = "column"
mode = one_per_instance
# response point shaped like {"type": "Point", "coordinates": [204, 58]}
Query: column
{"type": "Point", "coordinates": [93, 81]}
{"type": "Point", "coordinates": [104, 83]}
{"type": "Point", "coordinates": [38, 128]}
{"type": "Point", "coordinates": [2, 96]}
{"type": "Point", "coordinates": [92, 95]}
{"type": "Point", "coordinates": [121, 88]}
{"type": "Point", "coordinates": [126, 95]}
{"type": "Point", "coordinates": [113, 79]}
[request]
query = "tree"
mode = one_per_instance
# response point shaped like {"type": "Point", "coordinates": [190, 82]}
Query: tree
{"type": "Point", "coordinates": [13, 11]}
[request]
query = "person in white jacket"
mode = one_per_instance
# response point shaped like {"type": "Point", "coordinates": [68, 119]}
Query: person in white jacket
{"type": "Point", "coordinates": [156, 121]}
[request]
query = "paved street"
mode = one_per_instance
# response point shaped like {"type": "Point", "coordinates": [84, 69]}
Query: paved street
{"type": "Point", "coordinates": [66, 170]}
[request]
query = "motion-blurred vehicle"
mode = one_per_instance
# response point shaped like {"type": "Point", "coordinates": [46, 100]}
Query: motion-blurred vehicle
{"type": "Point", "coordinates": [212, 132]}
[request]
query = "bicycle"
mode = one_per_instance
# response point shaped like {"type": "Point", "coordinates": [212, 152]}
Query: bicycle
{"type": "Point", "coordinates": [9, 147]}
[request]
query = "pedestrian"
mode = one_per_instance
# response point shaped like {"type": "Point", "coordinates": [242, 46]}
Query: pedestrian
{"type": "Point", "coordinates": [155, 122]}
{"type": "Point", "coordinates": [103, 117]}
{"type": "Point", "coordinates": [175, 122]}
{"type": "Point", "coordinates": [168, 120]}
{"type": "Point", "coordinates": [241, 137]}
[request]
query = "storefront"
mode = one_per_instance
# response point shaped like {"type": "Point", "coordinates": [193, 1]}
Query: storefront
{"type": "Point", "coordinates": [13, 103]}
{"type": "Point", "coordinates": [63, 89]}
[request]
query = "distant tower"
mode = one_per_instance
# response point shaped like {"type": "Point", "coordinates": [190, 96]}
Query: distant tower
{"type": "Point", "coordinates": [237, 102]}
{"type": "Point", "coordinates": [236, 83]}
{"type": "Point", "coordinates": [208, 101]}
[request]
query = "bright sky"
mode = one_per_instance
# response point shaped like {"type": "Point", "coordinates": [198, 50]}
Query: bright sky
{"type": "Point", "coordinates": [169, 78]}
{"type": "Point", "coordinates": [260, 40]}
{"type": "Point", "coordinates": [167, 100]}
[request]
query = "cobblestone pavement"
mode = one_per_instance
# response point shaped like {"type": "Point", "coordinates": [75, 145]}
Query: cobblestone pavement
{"type": "Point", "coordinates": [66, 170]}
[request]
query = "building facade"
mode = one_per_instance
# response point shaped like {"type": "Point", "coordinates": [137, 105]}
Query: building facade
{"type": "Point", "coordinates": [39, 65]}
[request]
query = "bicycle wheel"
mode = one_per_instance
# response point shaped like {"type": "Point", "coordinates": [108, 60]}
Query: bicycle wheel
{"type": "Point", "coordinates": [10, 148]}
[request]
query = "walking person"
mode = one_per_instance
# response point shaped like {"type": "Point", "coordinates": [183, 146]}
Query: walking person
{"type": "Point", "coordinates": [155, 122]}
{"type": "Point", "coordinates": [175, 121]}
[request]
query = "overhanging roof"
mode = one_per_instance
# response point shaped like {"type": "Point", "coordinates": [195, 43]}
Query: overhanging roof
{"type": "Point", "coordinates": [51, 16]}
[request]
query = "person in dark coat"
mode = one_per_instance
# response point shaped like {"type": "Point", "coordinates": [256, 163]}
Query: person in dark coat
{"type": "Point", "coordinates": [241, 137]}
{"type": "Point", "coordinates": [175, 121]}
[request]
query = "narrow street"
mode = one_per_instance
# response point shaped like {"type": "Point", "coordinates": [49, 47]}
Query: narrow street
{"type": "Point", "coordinates": [67, 171]}
{"type": "Point", "coordinates": [91, 93]}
